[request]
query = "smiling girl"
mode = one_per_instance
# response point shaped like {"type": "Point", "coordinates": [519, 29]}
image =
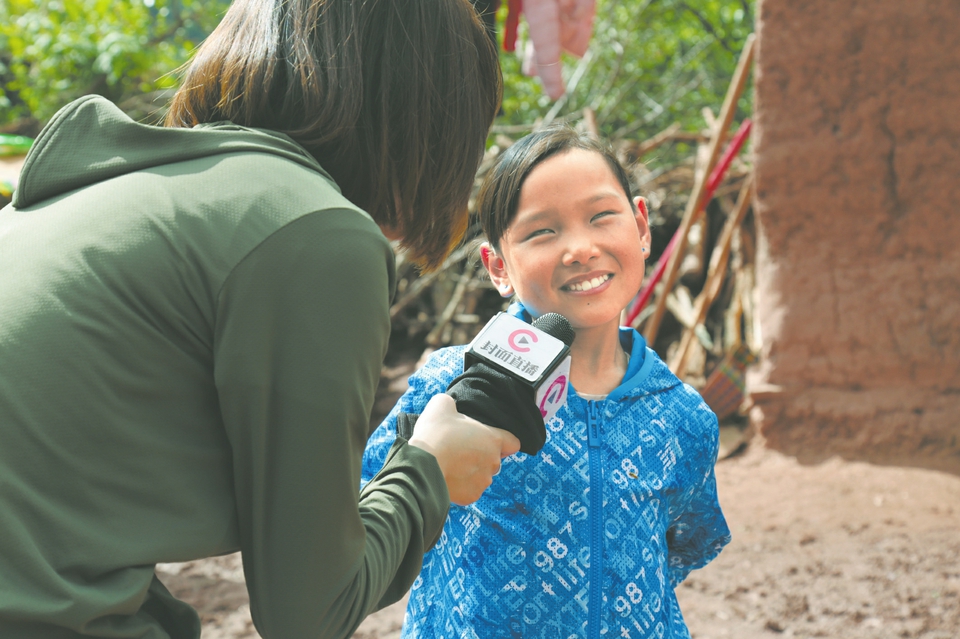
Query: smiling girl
{"type": "Point", "coordinates": [590, 536]}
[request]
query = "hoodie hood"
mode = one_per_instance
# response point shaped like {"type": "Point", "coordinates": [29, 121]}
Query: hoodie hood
{"type": "Point", "coordinates": [91, 140]}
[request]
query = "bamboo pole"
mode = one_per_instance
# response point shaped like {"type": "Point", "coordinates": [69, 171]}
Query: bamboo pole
{"type": "Point", "coordinates": [693, 204]}
{"type": "Point", "coordinates": [718, 267]}
{"type": "Point", "coordinates": [712, 183]}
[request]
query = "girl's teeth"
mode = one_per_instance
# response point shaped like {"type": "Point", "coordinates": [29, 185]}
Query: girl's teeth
{"type": "Point", "coordinates": [589, 284]}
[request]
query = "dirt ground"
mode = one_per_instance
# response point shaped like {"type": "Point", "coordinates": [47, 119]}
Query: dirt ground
{"type": "Point", "coordinates": [841, 549]}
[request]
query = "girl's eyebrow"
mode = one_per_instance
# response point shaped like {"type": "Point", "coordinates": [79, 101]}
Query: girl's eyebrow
{"type": "Point", "coordinates": [604, 195]}
{"type": "Point", "coordinates": [535, 217]}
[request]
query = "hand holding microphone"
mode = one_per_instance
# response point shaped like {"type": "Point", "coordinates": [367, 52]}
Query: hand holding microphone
{"type": "Point", "coordinates": [515, 378]}
{"type": "Point", "coordinates": [467, 451]}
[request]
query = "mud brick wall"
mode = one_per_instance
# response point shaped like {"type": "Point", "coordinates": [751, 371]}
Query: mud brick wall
{"type": "Point", "coordinates": [858, 167]}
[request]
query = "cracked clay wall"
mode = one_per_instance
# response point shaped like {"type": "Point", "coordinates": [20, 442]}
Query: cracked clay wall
{"type": "Point", "coordinates": [858, 198]}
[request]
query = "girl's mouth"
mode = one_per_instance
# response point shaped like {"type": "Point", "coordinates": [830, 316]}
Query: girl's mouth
{"type": "Point", "coordinates": [588, 284]}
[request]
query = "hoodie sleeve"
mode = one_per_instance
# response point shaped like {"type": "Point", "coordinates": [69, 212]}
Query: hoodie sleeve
{"type": "Point", "coordinates": [431, 379]}
{"type": "Point", "coordinates": [699, 530]}
{"type": "Point", "coordinates": [301, 331]}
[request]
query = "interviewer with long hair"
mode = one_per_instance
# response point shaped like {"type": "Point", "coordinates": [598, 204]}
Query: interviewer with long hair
{"type": "Point", "coordinates": [195, 317]}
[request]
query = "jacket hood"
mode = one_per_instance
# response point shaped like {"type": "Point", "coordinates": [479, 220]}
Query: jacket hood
{"type": "Point", "coordinates": [91, 140]}
{"type": "Point", "coordinates": [646, 372]}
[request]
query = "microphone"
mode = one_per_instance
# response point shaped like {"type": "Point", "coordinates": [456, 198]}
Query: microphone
{"type": "Point", "coordinates": [516, 376]}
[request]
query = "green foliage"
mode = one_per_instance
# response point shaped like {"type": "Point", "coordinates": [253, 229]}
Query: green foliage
{"type": "Point", "coordinates": [651, 63]}
{"type": "Point", "coordinates": [53, 52]}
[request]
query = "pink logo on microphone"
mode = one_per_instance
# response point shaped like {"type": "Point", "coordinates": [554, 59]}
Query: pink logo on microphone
{"type": "Point", "coordinates": [554, 394]}
{"type": "Point", "coordinates": [520, 338]}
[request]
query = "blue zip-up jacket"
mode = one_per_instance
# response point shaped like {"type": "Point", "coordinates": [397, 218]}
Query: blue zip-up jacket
{"type": "Point", "coordinates": [623, 495]}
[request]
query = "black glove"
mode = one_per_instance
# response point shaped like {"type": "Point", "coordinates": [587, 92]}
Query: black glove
{"type": "Point", "coordinates": [495, 399]}
{"type": "Point", "coordinates": [499, 400]}
{"type": "Point", "coordinates": [492, 398]}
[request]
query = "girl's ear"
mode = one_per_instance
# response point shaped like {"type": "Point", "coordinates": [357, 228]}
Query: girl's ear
{"type": "Point", "coordinates": [497, 269]}
{"type": "Point", "coordinates": [643, 223]}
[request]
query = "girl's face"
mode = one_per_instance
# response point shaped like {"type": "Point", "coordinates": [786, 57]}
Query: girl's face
{"type": "Point", "coordinates": [575, 246]}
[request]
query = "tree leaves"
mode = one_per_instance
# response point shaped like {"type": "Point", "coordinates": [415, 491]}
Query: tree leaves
{"type": "Point", "coordinates": [54, 52]}
{"type": "Point", "coordinates": [653, 62]}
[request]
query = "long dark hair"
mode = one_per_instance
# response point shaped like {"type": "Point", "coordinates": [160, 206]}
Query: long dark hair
{"type": "Point", "coordinates": [394, 98]}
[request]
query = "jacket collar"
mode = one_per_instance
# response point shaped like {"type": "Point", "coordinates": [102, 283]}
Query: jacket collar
{"type": "Point", "coordinates": [646, 373]}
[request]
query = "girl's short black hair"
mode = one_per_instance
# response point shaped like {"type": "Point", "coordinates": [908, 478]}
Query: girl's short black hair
{"type": "Point", "coordinates": [394, 98]}
{"type": "Point", "coordinates": [500, 192]}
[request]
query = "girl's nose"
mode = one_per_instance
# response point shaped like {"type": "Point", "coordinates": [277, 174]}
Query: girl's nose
{"type": "Point", "coordinates": [580, 249]}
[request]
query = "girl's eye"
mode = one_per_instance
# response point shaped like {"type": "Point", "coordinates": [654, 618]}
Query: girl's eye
{"type": "Point", "coordinates": [538, 233]}
{"type": "Point", "coordinates": [602, 215]}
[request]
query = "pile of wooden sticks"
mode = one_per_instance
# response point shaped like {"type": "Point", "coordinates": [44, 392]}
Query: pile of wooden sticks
{"type": "Point", "coordinates": [696, 307]}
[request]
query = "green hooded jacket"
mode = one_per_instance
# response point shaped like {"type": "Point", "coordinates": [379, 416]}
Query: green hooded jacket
{"type": "Point", "coordinates": [192, 325]}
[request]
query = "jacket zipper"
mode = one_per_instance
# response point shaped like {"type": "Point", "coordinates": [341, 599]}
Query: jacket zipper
{"type": "Point", "coordinates": [595, 601]}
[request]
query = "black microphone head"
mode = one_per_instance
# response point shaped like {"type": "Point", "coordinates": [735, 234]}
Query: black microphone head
{"type": "Point", "coordinates": [556, 325]}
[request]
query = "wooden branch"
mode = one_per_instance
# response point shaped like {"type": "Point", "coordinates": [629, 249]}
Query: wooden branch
{"type": "Point", "coordinates": [718, 268]}
{"type": "Point", "coordinates": [680, 304]}
{"type": "Point", "coordinates": [733, 317]}
{"type": "Point", "coordinates": [433, 337]}
{"type": "Point", "coordinates": [590, 121]}
{"type": "Point", "coordinates": [709, 117]}
{"type": "Point", "coordinates": [611, 79]}
{"type": "Point", "coordinates": [672, 132]}
{"type": "Point", "coordinates": [561, 102]}
{"type": "Point", "coordinates": [693, 204]}
{"type": "Point", "coordinates": [503, 141]}
{"type": "Point", "coordinates": [426, 280]}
